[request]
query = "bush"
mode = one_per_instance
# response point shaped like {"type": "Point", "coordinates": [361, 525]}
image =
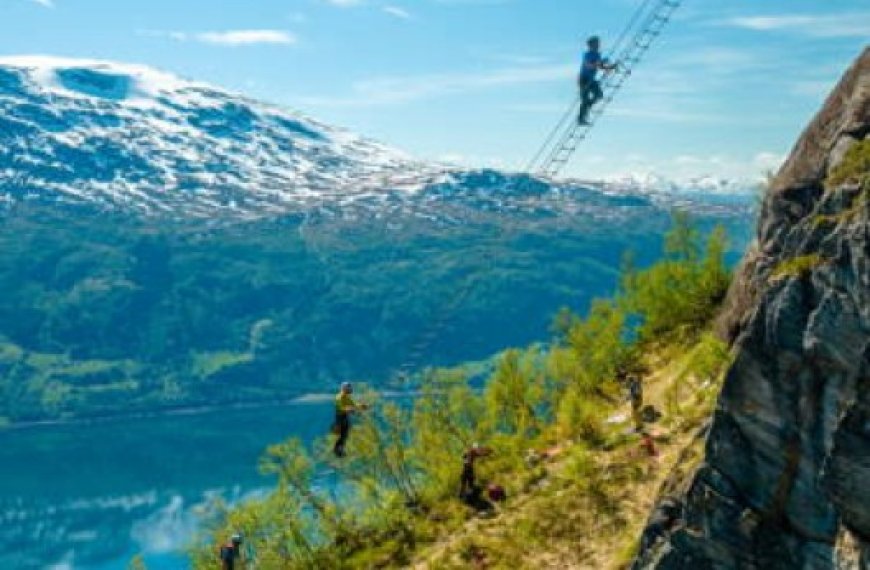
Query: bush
{"type": "Point", "coordinates": [515, 393]}
{"type": "Point", "coordinates": [680, 294]}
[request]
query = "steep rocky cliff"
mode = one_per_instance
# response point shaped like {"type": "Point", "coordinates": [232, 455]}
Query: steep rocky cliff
{"type": "Point", "coordinates": [785, 479]}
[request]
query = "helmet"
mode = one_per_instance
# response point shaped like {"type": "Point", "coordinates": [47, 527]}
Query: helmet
{"type": "Point", "coordinates": [236, 538]}
{"type": "Point", "coordinates": [346, 387]}
{"type": "Point", "coordinates": [593, 40]}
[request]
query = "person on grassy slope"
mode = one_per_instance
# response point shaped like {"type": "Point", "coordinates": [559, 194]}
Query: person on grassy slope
{"type": "Point", "coordinates": [231, 552]}
{"type": "Point", "coordinates": [468, 488]}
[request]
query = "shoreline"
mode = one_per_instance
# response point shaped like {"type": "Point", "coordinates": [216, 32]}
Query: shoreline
{"type": "Point", "coordinates": [304, 399]}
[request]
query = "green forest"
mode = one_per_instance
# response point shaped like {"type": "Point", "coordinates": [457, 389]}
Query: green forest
{"type": "Point", "coordinates": [108, 314]}
{"type": "Point", "coordinates": [396, 490]}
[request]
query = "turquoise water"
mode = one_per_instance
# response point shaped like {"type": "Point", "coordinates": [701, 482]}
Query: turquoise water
{"type": "Point", "coordinates": [90, 496]}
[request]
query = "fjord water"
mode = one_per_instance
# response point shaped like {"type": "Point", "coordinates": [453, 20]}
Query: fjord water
{"type": "Point", "coordinates": [91, 495]}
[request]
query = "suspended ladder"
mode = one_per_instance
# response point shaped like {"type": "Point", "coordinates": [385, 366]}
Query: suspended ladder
{"type": "Point", "coordinates": [647, 23]}
{"type": "Point", "coordinates": [629, 49]}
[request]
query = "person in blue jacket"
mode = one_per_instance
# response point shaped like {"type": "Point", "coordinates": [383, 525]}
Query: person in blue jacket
{"type": "Point", "coordinates": [590, 89]}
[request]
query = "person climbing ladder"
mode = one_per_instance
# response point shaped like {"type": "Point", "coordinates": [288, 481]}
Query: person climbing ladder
{"type": "Point", "coordinates": [590, 88]}
{"type": "Point", "coordinates": [629, 49]}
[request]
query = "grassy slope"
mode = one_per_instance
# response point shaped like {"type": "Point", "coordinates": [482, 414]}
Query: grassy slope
{"type": "Point", "coordinates": [589, 510]}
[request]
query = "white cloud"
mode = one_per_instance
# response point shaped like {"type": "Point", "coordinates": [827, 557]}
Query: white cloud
{"type": "Point", "coordinates": [247, 37]}
{"type": "Point", "coordinates": [228, 37]}
{"type": "Point", "coordinates": [393, 90]}
{"type": "Point", "coordinates": [669, 115]}
{"type": "Point", "coordinates": [853, 25]}
{"type": "Point", "coordinates": [768, 161]}
{"type": "Point", "coordinates": [688, 168]}
{"type": "Point", "coordinates": [473, 161]}
{"type": "Point", "coordinates": [817, 89]}
{"type": "Point", "coordinates": [398, 12]}
{"type": "Point", "coordinates": [473, 2]}
{"type": "Point", "coordinates": [44, 3]}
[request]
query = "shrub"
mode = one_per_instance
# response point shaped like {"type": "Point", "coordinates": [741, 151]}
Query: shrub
{"type": "Point", "coordinates": [681, 293]}
{"type": "Point", "coordinates": [514, 393]}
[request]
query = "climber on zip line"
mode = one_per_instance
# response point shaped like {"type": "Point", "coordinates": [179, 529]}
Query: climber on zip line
{"type": "Point", "coordinates": [344, 407]}
{"type": "Point", "coordinates": [590, 88]}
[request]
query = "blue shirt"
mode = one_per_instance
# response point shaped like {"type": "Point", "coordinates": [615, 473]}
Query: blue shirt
{"type": "Point", "coordinates": [591, 61]}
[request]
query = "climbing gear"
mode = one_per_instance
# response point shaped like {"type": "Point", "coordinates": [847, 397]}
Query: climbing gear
{"type": "Point", "coordinates": [649, 445]}
{"type": "Point", "coordinates": [496, 493]}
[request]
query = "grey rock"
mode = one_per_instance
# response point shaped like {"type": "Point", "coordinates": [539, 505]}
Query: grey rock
{"type": "Point", "coordinates": [785, 481]}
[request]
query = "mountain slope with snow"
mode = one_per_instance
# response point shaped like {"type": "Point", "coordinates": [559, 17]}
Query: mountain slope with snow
{"type": "Point", "coordinates": [130, 136]}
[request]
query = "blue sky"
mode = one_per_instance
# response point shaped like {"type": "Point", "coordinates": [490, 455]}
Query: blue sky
{"type": "Point", "coordinates": [725, 91]}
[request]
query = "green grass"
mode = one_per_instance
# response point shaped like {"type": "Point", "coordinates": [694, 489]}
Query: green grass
{"type": "Point", "coordinates": [798, 266]}
{"type": "Point", "coordinates": [86, 368]}
{"type": "Point", "coordinates": [10, 353]}
{"type": "Point", "coordinates": [207, 364]}
{"type": "Point", "coordinates": [123, 386]}
{"type": "Point", "coordinates": [855, 166]}
{"type": "Point", "coordinates": [43, 361]}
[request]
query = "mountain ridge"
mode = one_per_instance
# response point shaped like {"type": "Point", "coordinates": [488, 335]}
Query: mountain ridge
{"type": "Point", "coordinates": [129, 137]}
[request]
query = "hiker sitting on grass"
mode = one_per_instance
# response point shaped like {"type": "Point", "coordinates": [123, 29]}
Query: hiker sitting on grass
{"type": "Point", "coordinates": [231, 552]}
{"type": "Point", "coordinates": [468, 490]}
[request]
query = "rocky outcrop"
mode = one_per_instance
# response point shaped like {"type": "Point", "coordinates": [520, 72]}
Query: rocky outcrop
{"type": "Point", "coordinates": [786, 478]}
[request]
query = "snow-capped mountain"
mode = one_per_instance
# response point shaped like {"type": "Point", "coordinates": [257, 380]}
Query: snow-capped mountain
{"type": "Point", "coordinates": [129, 137]}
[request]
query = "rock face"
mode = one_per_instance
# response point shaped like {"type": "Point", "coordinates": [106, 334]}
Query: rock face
{"type": "Point", "coordinates": [785, 482]}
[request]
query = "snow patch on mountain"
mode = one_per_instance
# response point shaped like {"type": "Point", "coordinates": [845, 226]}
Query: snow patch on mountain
{"type": "Point", "coordinates": [131, 138]}
{"type": "Point", "coordinates": [97, 79]}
